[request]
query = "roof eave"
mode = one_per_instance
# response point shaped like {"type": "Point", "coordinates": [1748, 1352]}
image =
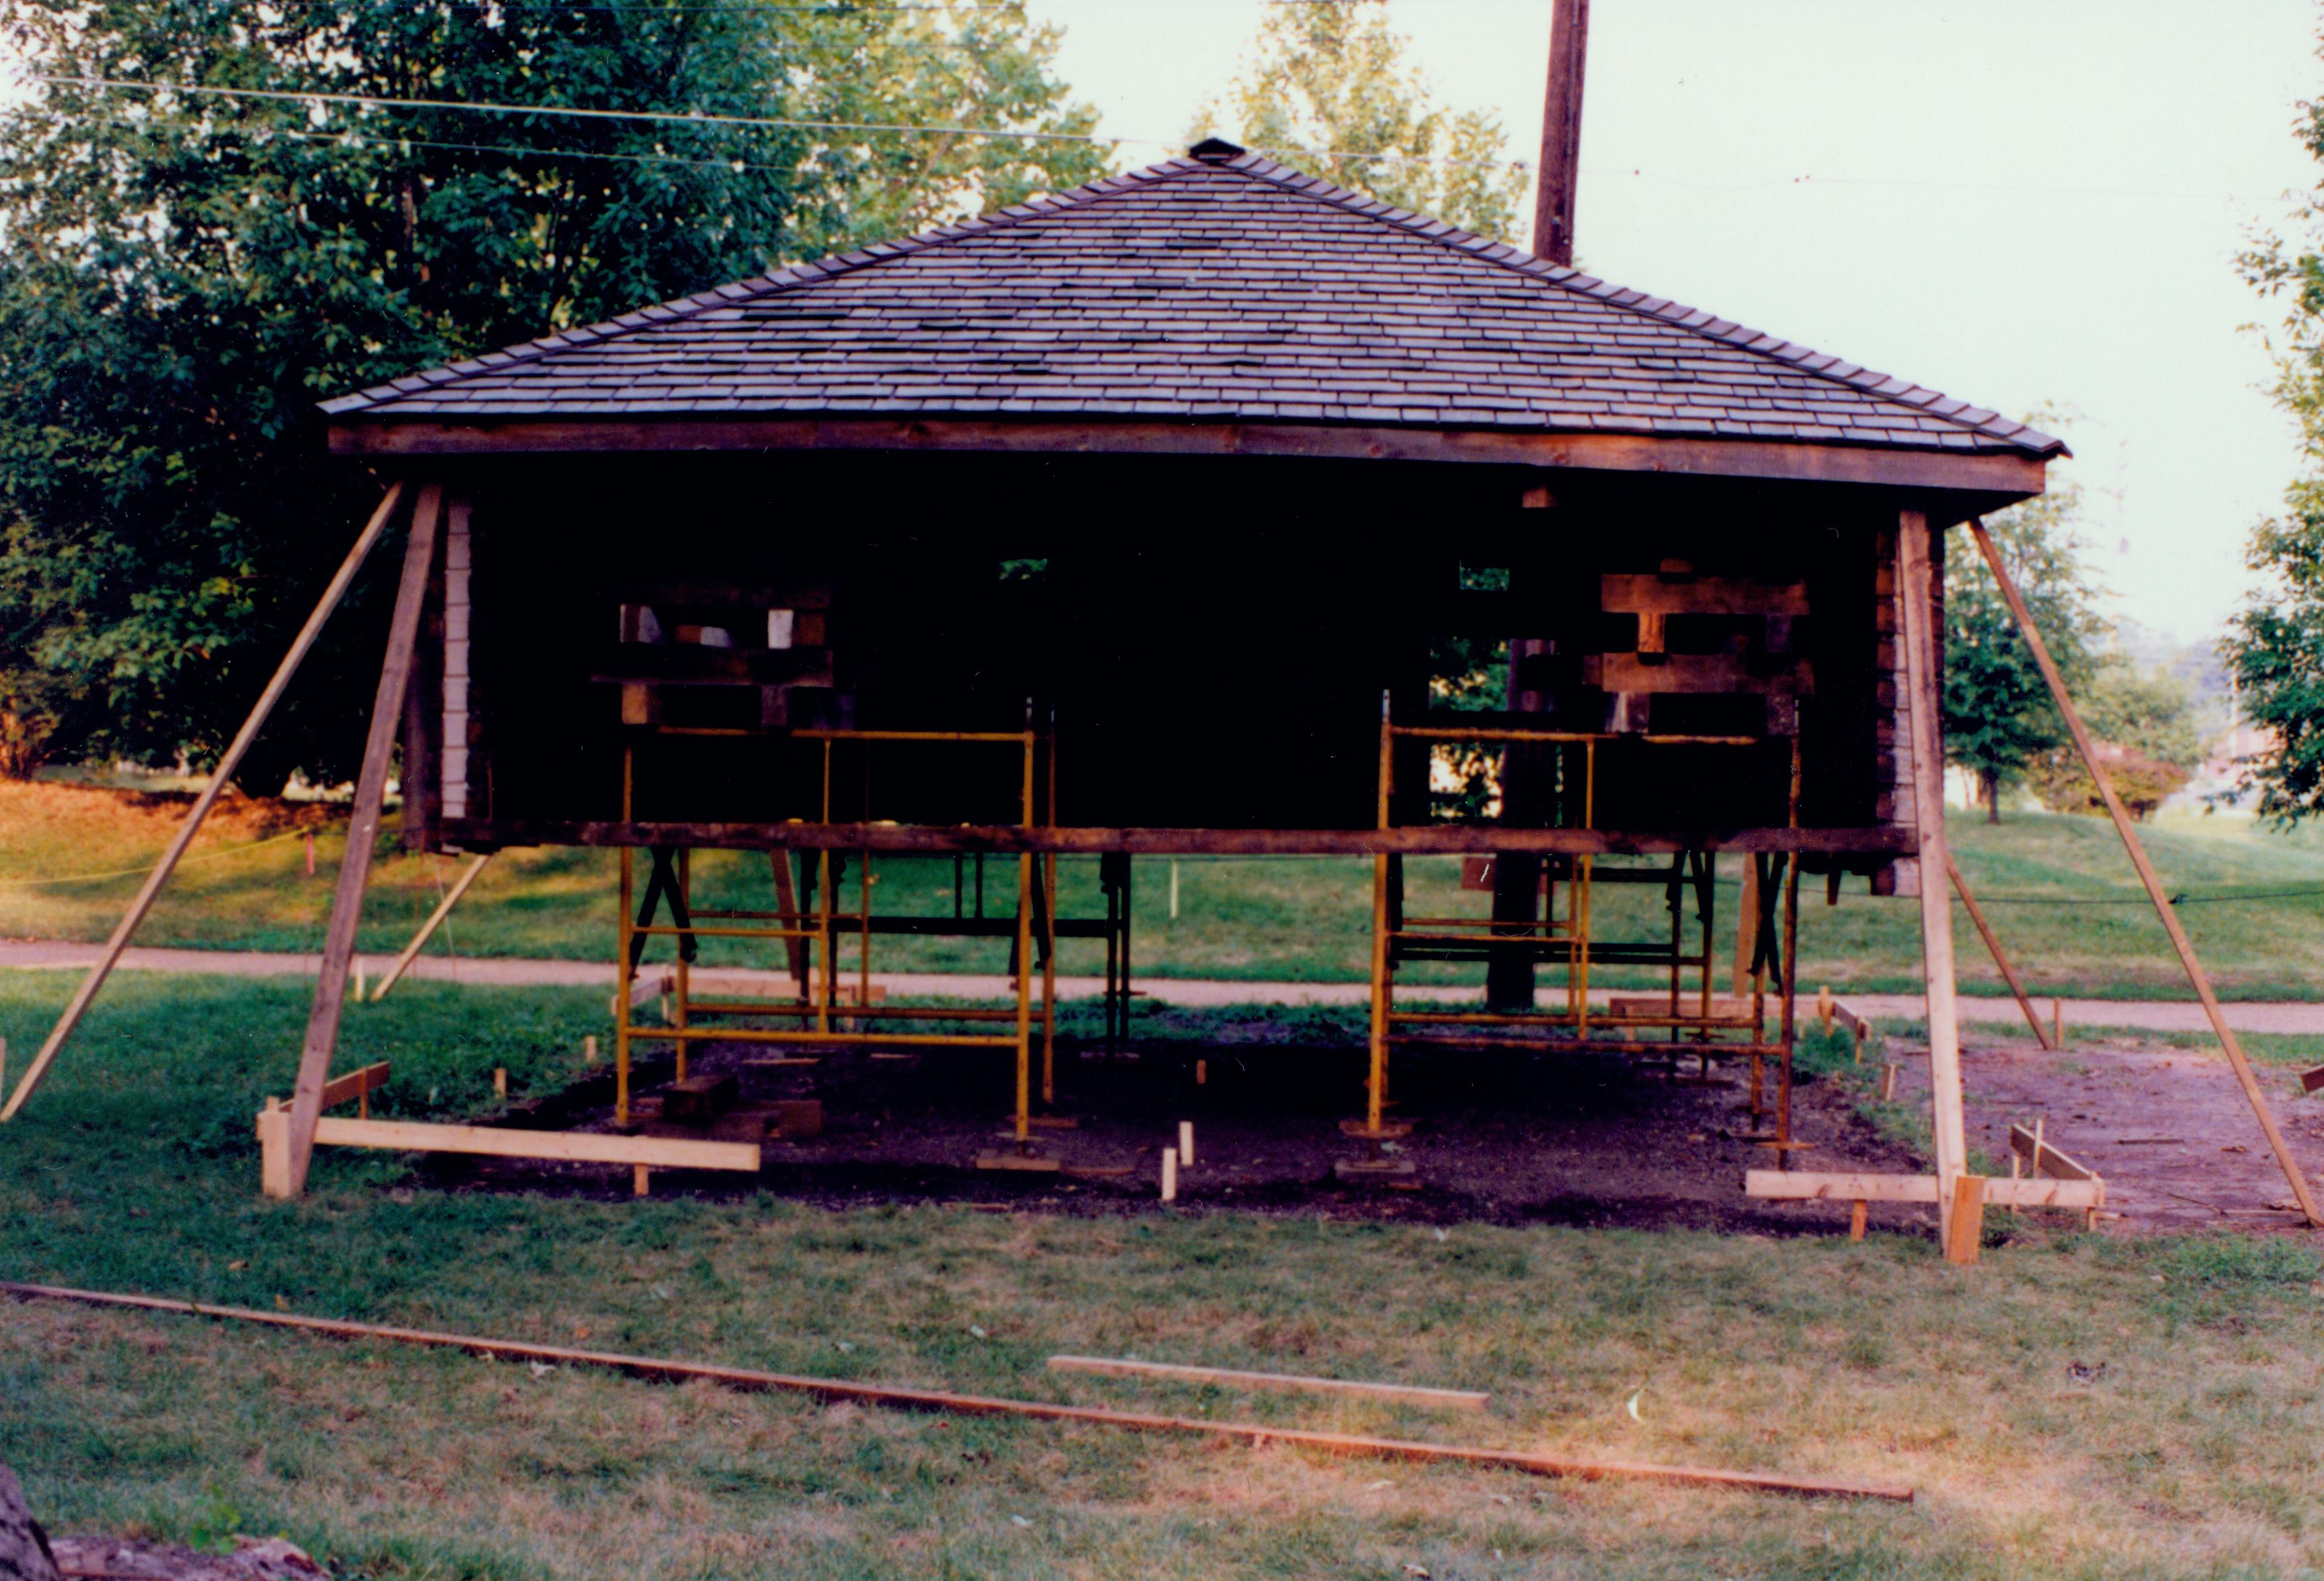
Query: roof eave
{"type": "Point", "coordinates": [2019, 473]}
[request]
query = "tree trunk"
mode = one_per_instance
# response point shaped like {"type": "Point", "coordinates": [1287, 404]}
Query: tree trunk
{"type": "Point", "coordinates": [1989, 785]}
{"type": "Point", "coordinates": [24, 1553]}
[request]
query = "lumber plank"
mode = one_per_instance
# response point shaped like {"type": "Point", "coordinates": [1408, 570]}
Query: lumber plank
{"type": "Point", "coordinates": [2045, 1159]}
{"type": "Point", "coordinates": [752, 1380]}
{"type": "Point", "coordinates": [1804, 1186]}
{"type": "Point", "coordinates": [1694, 673]}
{"type": "Point", "coordinates": [568, 1146]}
{"type": "Point", "coordinates": [1008, 839]}
{"type": "Point", "coordinates": [1236, 1377]}
{"type": "Point", "coordinates": [355, 1084]}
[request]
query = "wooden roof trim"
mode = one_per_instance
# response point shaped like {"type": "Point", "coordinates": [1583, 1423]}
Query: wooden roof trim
{"type": "Point", "coordinates": [2003, 471]}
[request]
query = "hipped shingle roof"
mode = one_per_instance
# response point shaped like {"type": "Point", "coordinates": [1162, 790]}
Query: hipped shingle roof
{"type": "Point", "coordinates": [1214, 289]}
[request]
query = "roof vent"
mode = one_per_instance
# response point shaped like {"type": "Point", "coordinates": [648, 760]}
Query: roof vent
{"type": "Point", "coordinates": [1217, 150]}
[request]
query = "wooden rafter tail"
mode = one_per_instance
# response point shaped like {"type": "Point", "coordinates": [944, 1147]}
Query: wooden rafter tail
{"type": "Point", "coordinates": [1915, 597]}
{"type": "Point", "coordinates": [1993, 946]}
{"type": "Point", "coordinates": [220, 777]}
{"type": "Point", "coordinates": [2147, 875]}
{"type": "Point", "coordinates": [363, 830]}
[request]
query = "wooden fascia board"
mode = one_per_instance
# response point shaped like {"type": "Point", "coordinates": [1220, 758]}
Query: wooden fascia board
{"type": "Point", "coordinates": [2010, 473]}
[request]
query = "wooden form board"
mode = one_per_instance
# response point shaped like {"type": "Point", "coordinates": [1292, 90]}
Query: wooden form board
{"type": "Point", "coordinates": [564, 1147]}
{"type": "Point", "coordinates": [354, 1085]}
{"type": "Point", "coordinates": [1800, 1186]}
{"type": "Point", "coordinates": [1236, 1378]}
{"type": "Point", "coordinates": [2045, 1159]}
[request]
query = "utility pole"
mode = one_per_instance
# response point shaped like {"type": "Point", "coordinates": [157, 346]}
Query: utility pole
{"type": "Point", "coordinates": [1560, 131]}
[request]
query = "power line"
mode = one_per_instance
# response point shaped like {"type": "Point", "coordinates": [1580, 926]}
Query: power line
{"type": "Point", "coordinates": [699, 118]}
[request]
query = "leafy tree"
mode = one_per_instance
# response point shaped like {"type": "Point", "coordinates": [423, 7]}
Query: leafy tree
{"type": "Point", "coordinates": [2143, 722]}
{"type": "Point", "coordinates": [2274, 645]}
{"type": "Point", "coordinates": [185, 274]}
{"type": "Point", "coordinates": [1998, 711]}
{"type": "Point", "coordinates": [1327, 88]}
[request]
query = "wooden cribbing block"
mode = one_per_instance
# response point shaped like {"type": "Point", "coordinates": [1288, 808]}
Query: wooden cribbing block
{"type": "Point", "coordinates": [1235, 1378]}
{"type": "Point", "coordinates": [1807, 1186]}
{"type": "Point", "coordinates": [698, 1099]}
{"type": "Point", "coordinates": [565, 1147]}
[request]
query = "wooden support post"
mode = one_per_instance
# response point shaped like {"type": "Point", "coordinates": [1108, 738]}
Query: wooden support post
{"type": "Point", "coordinates": [427, 929]}
{"type": "Point", "coordinates": [788, 916]}
{"type": "Point", "coordinates": [1026, 871]}
{"type": "Point", "coordinates": [220, 777]}
{"type": "Point", "coordinates": [2149, 877]}
{"type": "Point", "coordinates": [1915, 596]}
{"type": "Point", "coordinates": [275, 1150]}
{"type": "Point", "coordinates": [1993, 946]}
{"type": "Point", "coordinates": [362, 831]}
{"type": "Point", "coordinates": [1860, 1214]}
{"type": "Point", "coordinates": [1747, 927]}
{"type": "Point", "coordinates": [1383, 983]}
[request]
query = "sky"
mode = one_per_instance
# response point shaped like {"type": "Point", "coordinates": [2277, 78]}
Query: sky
{"type": "Point", "coordinates": [2026, 204]}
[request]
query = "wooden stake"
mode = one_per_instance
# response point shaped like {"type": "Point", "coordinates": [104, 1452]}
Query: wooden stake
{"type": "Point", "coordinates": [362, 831]}
{"type": "Point", "coordinates": [220, 777]}
{"type": "Point", "coordinates": [427, 929]}
{"type": "Point", "coordinates": [1186, 1144]}
{"type": "Point", "coordinates": [1993, 947]}
{"type": "Point", "coordinates": [589, 1049]}
{"type": "Point", "coordinates": [500, 1082]}
{"type": "Point", "coordinates": [1201, 1072]}
{"type": "Point", "coordinates": [1915, 598]}
{"type": "Point", "coordinates": [909, 1399]}
{"type": "Point", "coordinates": [1888, 1083]}
{"type": "Point", "coordinates": [2150, 878]}
{"type": "Point", "coordinates": [1965, 1226]}
{"type": "Point", "coordinates": [2057, 1024]}
{"type": "Point", "coordinates": [1823, 1010]}
{"type": "Point", "coordinates": [1860, 1214]}
{"type": "Point", "coordinates": [640, 1177]}
{"type": "Point", "coordinates": [1169, 1174]}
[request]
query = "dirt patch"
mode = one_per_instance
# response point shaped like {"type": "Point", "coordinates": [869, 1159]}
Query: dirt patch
{"type": "Point", "coordinates": [1500, 1136]}
{"type": "Point", "coordinates": [2169, 1129]}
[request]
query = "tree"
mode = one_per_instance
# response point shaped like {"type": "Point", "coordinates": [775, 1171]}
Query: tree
{"type": "Point", "coordinates": [1327, 88]}
{"type": "Point", "coordinates": [185, 274]}
{"type": "Point", "coordinates": [2274, 645]}
{"type": "Point", "coordinates": [1998, 715]}
{"type": "Point", "coordinates": [2143, 725]}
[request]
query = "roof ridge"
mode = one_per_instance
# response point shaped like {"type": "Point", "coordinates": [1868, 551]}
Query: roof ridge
{"type": "Point", "coordinates": [1836, 370]}
{"type": "Point", "coordinates": [830, 266]}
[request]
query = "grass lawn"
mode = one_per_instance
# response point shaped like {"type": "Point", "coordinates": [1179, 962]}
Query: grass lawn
{"type": "Point", "coordinates": [2059, 892]}
{"type": "Point", "coordinates": [2187, 1445]}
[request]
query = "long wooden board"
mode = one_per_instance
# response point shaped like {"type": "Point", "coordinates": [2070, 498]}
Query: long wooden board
{"type": "Point", "coordinates": [1236, 1378]}
{"type": "Point", "coordinates": [1645, 594]}
{"type": "Point", "coordinates": [572, 1146]}
{"type": "Point", "coordinates": [1718, 672]}
{"type": "Point", "coordinates": [2045, 1159]}
{"type": "Point", "coordinates": [1798, 1186]}
{"type": "Point", "coordinates": [354, 1085]}
{"type": "Point", "coordinates": [749, 1380]}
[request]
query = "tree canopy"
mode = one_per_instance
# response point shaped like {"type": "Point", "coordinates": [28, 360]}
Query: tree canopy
{"type": "Point", "coordinates": [1327, 88]}
{"type": "Point", "coordinates": [187, 272]}
{"type": "Point", "coordinates": [1997, 712]}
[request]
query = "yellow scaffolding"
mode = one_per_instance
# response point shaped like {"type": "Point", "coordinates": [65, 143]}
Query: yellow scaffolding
{"type": "Point", "coordinates": [1568, 939]}
{"type": "Point", "coordinates": [812, 942]}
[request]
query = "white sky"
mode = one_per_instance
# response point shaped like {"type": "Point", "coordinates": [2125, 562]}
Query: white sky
{"type": "Point", "coordinates": [2017, 202]}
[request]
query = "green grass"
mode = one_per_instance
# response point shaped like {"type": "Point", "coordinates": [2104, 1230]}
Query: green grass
{"type": "Point", "coordinates": [1251, 920]}
{"type": "Point", "coordinates": [2192, 1455]}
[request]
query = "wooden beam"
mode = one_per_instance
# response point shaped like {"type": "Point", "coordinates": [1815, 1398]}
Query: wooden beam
{"type": "Point", "coordinates": [488, 1142]}
{"type": "Point", "coordinates": [2148, 876]}
{"type": "Point", "coordinates": [1802, 1186]}
{"type": "Point", "coordinates": [1644, 593]}
{"type": "Point", "coordinates": [1915, 597]}
{"type": "Point", "coordinates": [2010, 474]}
{"type": "Point", "coordinates": [749, 1380]}
{"type": "Point", "coordinates": [220, 777]}
{"type": "Point", "coordinates": [1561, 133]}
{"type": "Point", "coordinates": [362, 831]}
{"type": "Point", "coordinates": [1993, 947]}
{"type": "Point", "coordinates": [1235, 1378]}
{"type": "Point", "coordinates": [1442, 839]}
{"type": "Point", "coordinates": [1715, 673]}
{"type": "Point", "coordinates": [427, 929]}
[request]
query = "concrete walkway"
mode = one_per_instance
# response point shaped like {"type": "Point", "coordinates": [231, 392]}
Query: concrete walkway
{"type": "Point", "coordinates": [2154, 1015]}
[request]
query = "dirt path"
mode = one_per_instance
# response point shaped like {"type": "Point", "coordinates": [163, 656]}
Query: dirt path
{"type": "Point", "coordinates": [1192, 993]}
